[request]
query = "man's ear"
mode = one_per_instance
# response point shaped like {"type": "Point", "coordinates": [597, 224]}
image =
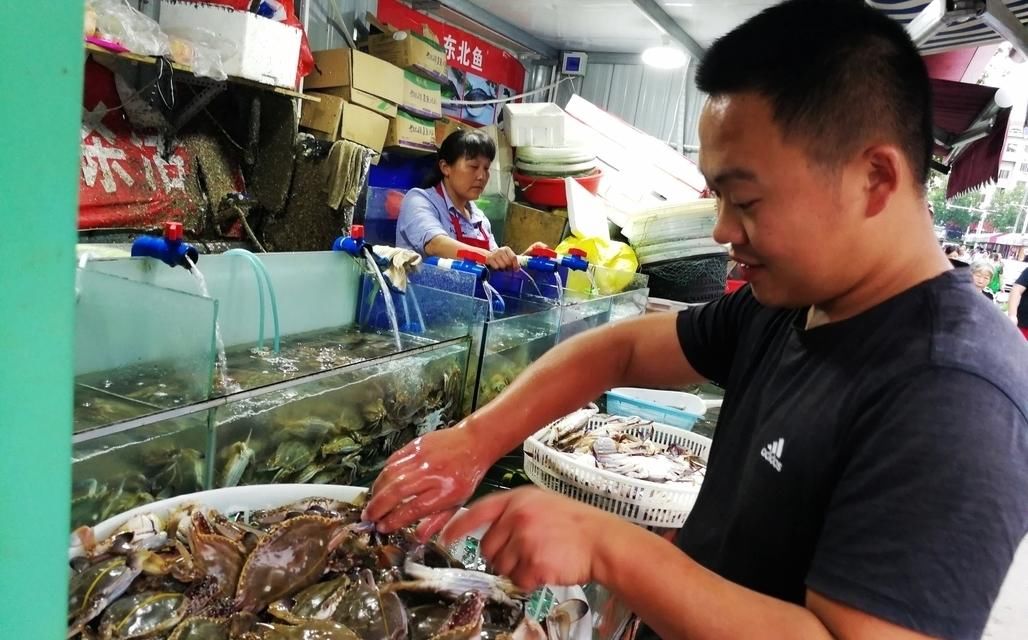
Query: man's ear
{"type": "Point", "coordinates": [883, 167]}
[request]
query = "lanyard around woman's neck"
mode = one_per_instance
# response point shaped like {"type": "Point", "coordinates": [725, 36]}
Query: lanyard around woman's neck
{"type": "Point", "coordinates": [441, 190]}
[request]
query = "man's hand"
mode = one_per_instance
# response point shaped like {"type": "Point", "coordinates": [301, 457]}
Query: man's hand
{"type": "Point", "coordinates": [503, 259]}
{"type": "Point", "coordinates": [428, 480]}
{"type": "Point", "coordinates": [536, 537]}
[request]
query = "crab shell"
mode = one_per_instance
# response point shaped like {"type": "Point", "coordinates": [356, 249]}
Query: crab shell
{"type": "Point", "coordinates": [291, 557]}
{"type": "Point", "coordinates": [201, 629]}
{"type": "Point", "coordinates": [373, 614]}
{"type": "Point", "coordinates": [92, 590]}
{"type": "Point", "coordinates": [338, 509]}
{"type": "Point", "coordinates": [216, 555]}
{"type": "Point", "coordinates": [307, 630]}
{"type": "Point", "coordinates": [143, 614]}
{"type": "Point", "coordinates": [465, 619]}
{"type": "Point", "coordinates": [317, 601]}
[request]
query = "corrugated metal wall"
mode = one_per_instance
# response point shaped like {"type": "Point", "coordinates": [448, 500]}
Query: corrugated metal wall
{"type": "Point", "coordinates": [326, 15]}
{"type": "Point", "coordinates": [664, 104]}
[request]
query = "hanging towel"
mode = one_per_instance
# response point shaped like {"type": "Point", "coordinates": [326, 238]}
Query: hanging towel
{"type": "Point", "coordinates": [401, 263]}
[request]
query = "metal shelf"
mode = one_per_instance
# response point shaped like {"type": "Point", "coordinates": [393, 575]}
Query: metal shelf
{"type": "Point", "coordinates": [183, 69]}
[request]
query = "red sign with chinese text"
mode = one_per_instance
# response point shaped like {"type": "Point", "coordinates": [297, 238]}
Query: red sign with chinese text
{"type": "Point", "coordinates": [124, 181]}
{"type": "Point", "coordinates": [463, 50]}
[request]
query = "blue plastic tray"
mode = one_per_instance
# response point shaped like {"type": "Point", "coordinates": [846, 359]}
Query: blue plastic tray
{"type": "Point", "coordinates": [620, 405]}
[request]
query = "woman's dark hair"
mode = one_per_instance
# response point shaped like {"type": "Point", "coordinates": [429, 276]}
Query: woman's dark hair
{"type": "Point", "coordinates": [462, 143]}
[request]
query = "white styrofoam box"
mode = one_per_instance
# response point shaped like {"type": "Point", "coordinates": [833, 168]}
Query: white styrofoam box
{"type": "Point", "coordinates": [264, 50]}
{"type": "Point", "coordinates": [534, 124]}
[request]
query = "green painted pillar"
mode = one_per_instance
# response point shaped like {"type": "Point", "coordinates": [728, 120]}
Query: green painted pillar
{"type": "Point", "coordinates": [40, 112]}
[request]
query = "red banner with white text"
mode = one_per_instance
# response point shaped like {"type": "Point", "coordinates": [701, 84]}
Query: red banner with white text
{"type": "Point", "coordinates": [125, 182]}
{"type": "Point", "coordinates": [478, 71]}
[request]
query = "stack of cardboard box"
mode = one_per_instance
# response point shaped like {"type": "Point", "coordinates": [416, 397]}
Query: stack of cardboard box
{"type": "Point", "coordinates": [359, 96]}
{"type": "Point", "coordinates": [423, 61]}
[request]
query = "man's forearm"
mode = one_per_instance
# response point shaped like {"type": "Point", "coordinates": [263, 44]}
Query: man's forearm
{"type": "Point", "coordinates": [1014, 301]}
{"type": "Point", "coordinates": [685, 600]}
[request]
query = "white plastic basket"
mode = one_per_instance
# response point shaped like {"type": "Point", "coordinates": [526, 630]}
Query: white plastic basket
{"type": "Point", "coordinates": [650, 504]}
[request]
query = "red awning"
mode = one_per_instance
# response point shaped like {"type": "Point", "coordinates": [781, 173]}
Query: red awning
{"type": "Point", "coordinates": [956, 106]}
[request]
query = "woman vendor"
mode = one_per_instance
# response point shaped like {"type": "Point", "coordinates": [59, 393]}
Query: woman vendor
{"type": "Point", "coordinates": [442, 219]}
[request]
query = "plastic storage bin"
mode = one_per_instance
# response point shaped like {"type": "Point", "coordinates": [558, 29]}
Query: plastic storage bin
{"type": "Point", "coordinates": [650, 504]}
{"type": "Point", "coordinates": [538, 124]}
{"type": "Point", "coordinates": [381, 214]}
{"type": "Point", "coordinates": [673, 408]}
{"type": "Point", "coordinates": [552, 192]}
{"type": "Point", "coordinates": [400, 172]}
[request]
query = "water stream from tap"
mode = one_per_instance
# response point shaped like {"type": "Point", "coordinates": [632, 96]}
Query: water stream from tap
{"type": "Point", "coordinates": [221, 366]}
{"type": "Point", "coordinates": [387, 295]}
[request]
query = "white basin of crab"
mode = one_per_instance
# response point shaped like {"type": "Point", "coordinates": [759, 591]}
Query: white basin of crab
{"type": "Point", "coordinates": [263, 600]}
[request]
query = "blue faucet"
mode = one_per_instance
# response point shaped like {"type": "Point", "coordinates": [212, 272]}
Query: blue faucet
{"type": "Point", "coordinates": [473, 263]}
{"type": "Point", "coordinates": [541, 259]}
{"type": "Point", "coordinates": [352, 243]}
{"type": "Point", "coordinates": [466, 261]}
{"type": "Point", "coordinates": [575, 260]}
{"type": "Point", "coordinates": [169, 248]}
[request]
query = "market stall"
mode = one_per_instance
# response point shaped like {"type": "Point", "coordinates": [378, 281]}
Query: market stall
{"type": "Point", "coordinates": [246, 383]}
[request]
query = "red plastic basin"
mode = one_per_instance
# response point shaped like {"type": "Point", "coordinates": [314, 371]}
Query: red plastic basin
{"type": "Point", "coordinates": [550, 192]}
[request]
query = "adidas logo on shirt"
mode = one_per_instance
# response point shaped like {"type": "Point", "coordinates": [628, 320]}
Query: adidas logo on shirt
{"type": "Point", "coordinates": [772, 452]}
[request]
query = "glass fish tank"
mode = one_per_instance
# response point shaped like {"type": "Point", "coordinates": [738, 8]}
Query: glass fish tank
{"type": "Point", "coordinates": [139, 349]}
{"type": "Point", "coordinates": [116, 469]}
{"type": "Point", "coordinates": [628, 291]}
{"type": "Point", "coordinates": [340, 427]}
{"type": "Point", "coordinates": [180, 392]}
{"type": "Point", "coordinates": [511, 332]}
{"type": "Point", "coordinates": [509, 345]}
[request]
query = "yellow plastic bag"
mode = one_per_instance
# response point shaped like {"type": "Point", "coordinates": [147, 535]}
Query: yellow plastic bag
{"type": "Point", "coordinates": [616, 264]}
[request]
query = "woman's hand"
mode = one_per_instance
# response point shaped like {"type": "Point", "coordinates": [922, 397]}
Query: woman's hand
{"type": "Point", "coordinates": [535, 245]}
{"type": "Point", "coordinates": [503, 259]}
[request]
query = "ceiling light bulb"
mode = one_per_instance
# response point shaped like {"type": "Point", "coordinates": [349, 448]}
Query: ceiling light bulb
{"type": "Point", "coordinates": [664, 57]}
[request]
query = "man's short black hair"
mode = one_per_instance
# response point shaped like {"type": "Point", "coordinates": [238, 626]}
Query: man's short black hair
{"type": "Point", "coordinates": [838, 75]}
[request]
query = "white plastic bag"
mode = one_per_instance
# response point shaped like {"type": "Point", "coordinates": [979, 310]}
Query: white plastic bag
{"type": "Point", "coordinates": [119, 22]}
{"type": "Point", "coordinates": [207, 53]}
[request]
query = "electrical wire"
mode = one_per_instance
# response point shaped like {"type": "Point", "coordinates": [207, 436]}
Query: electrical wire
{"type": "Point", "coordinates": [171, 85]}
{"type": "Point", "coordinates": [249, 231]}
{"type": "Point", "coordinates": [147, 87]}
{"type": "Point", "coordinates": [482, 103]}
{"type": "Point", "coordinates": [223, 131]}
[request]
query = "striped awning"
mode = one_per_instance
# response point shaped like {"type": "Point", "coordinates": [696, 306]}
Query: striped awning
{"type": "Point", "coordinates": [973, 33]}
{"type": "Point", "coordinates": [1013, 239]}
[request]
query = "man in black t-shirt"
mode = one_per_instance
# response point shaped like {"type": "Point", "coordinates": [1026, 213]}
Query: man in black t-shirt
{"type": "Point", "coordinates": [1017, 307]}
{"type": "Point", "coordinates": [869, 472]}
